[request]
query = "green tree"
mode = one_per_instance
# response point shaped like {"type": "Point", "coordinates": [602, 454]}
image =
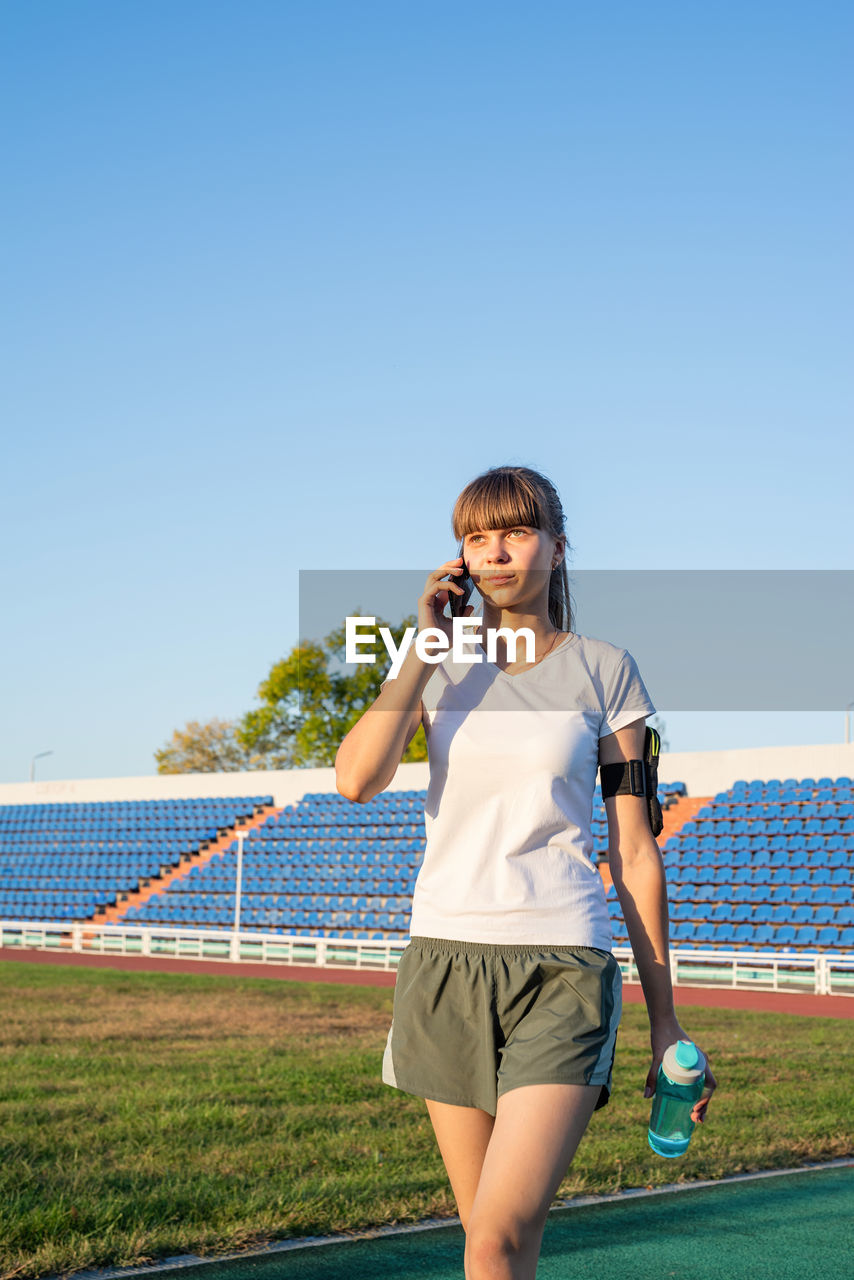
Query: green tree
{"type": "Point", "coordinates": [204, 748]}
{"type": "Point", "coordinates": [308, 702]}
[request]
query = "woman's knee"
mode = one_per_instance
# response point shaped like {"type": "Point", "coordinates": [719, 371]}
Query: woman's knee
{"type": "Point", "coordinates": [494, 1249]}
{"type": "Point", "coordinates": [489, 1254]}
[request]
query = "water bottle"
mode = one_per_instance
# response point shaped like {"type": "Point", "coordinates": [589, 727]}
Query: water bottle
{"type": "Point", "coordinates": [681, 1077]}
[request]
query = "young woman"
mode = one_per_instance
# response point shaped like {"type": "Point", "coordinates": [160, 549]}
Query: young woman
{"type": "Point", "coordinates": [507, 998]}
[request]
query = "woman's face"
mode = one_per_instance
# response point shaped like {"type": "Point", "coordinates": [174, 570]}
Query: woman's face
{"type": "Point", "coordinates": [511, 567]}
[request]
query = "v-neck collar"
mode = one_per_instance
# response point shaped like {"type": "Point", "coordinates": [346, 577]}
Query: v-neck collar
{"type": "Point", "coordinates": [516, 675]}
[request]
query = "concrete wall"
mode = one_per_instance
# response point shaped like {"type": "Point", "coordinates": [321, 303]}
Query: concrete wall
{"type": "Point", "coordinates": [703, 772]}
{"type": "Point", "coordinates": [284, 785]}
{"type": "Point", "coordinates": [707, 772]}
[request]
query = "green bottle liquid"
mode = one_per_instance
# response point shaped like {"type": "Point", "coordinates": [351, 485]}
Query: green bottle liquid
{"type": "Point", "coordinates": [681, 1077]}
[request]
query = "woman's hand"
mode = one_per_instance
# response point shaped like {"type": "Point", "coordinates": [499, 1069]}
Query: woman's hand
{"type": "Point", "coordinates": [431, 605]}
{"type": "Point", "coordinates": [663, 1033]}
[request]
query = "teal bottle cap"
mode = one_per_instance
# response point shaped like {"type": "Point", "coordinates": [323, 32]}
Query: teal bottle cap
{"type": "Point", "coordinates": [687, 1055]}
{"type": "Point", "coordinates": [683, 1062]}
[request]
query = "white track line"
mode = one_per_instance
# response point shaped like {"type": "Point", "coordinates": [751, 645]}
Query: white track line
{"type": "Point", "coordinates": [433, 1224]}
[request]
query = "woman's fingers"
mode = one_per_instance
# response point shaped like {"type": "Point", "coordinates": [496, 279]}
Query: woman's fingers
{"type": "Point", "coordinates": [698, 1115]}
{"type": "Point", "coordinates": [450, 566]}
{"type": "Point", "coordinates": [438, 590]}
{"type": "Point", "coordinates": [442, 572]}
{"type": "Point", "coordinates": [441, 594]}
{"type": "Point", "coordinates": [438, 581]}
{"type": "Point", "coordinates": [651, 1078]}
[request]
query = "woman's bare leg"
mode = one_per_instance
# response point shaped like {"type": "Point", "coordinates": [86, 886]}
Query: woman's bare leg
{"type": "Point", "coordinates": [463, 1135]}
{"type": "Point", "coordinates": [536, 1132]}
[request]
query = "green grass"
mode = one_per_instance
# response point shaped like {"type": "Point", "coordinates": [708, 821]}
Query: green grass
{"type": "Point", "coordinates": [146, 1115]}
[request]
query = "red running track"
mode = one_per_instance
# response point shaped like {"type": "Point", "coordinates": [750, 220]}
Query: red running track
{"type": "Point", "coordinates": [706, 997]}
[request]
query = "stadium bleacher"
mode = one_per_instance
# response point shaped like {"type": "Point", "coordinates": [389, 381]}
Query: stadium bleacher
{"type": "Point", "coordinates": [68, 861]}
{"type": "Point", "coordinates": [765, 865]}
{"type": "Point", "coordinates": [324, 867]}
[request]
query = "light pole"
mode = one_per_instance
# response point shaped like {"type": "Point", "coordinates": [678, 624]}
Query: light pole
{"type": "Point", "coordinates": [237, 890]}
{"type": "Point", "coordinates": [47, 753]}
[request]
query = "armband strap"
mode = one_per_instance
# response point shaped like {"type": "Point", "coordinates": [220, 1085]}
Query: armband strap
{"type": "Point", "coordinates": [637, 778]}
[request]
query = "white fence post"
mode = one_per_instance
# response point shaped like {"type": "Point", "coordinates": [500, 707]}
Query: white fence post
{"type": "Point", "coordinates": [674, 968]}
{"type": "Point", "coordinates": [77, 937]}
{"type": "Point", "coordinates": [238, 889]}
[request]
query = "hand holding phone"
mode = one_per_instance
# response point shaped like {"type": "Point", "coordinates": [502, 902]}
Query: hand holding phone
{"type": "Point", "coordinates": [458, 603]}
{"type": "Point", "coordinates": [439, 592]}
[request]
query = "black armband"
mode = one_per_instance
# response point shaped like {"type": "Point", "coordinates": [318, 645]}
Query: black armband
{"type": "Point", "coordinates": [637, 778]}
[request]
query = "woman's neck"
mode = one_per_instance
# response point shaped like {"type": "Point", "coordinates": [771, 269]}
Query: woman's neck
{"type": "Point", "coordinates": [546, 636]}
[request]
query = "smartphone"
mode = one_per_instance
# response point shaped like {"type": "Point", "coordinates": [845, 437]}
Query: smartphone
{"type": "Point", "coordinates": [458, 603]}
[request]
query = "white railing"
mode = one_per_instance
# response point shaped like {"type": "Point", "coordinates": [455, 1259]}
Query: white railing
{"type": "Point", "coordinates": [813, 973]}
{"type": "Point", "coordinates": [87, 938]}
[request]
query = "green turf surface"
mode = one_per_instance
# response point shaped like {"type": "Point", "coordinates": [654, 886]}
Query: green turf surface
{"type": "Point", "coordinates": [789, 1227]}
{"type": "Point", "coordinates": [144, 1115]}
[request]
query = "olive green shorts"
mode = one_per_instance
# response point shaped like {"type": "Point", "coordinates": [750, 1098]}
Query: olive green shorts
{"type": "Point", "coordinates": [472, 1020]}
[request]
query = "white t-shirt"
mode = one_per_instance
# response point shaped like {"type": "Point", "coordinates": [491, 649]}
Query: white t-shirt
{"type": "Point", "coordinates": [513, 764]}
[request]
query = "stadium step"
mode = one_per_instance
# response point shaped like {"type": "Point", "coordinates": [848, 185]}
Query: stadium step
{"type": "Point", "coordinates": [682, 811]}
{"type": "Point", "coordinates": [112, 915]}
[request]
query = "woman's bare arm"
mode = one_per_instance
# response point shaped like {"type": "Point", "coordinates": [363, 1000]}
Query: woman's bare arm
{"type": "Point", "coordinates": [368, 757]}
{"type": "Point", "coordinates": [637, 870]}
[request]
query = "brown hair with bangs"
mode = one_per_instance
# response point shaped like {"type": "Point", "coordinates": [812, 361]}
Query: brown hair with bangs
{"type": "Point", "coordinates": [507, 496]}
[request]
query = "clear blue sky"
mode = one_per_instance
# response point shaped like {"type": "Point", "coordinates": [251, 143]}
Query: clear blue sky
{"type": "Point", "coordinates": [279, 278]}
